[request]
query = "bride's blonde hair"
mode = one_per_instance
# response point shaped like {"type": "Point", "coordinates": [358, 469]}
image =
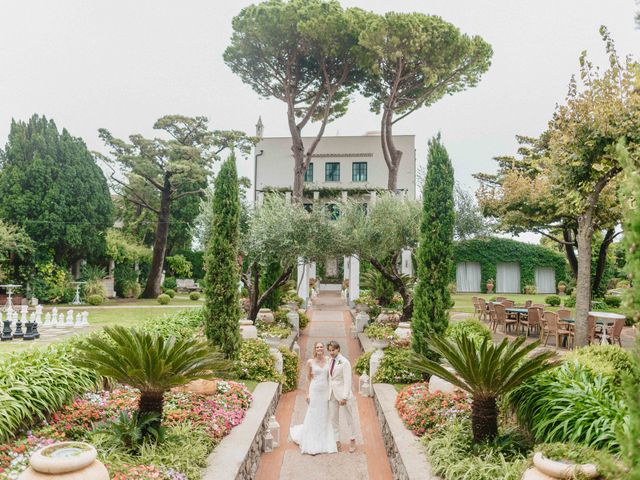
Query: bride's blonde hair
{"type": "Point", "coordinates": [314, 348]}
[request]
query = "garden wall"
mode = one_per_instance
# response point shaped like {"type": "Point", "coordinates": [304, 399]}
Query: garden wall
{"type": "Point", "coordinates": [238, 454]}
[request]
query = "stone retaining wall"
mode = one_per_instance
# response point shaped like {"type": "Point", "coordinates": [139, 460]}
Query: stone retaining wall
{"type": "Point", "coordinates": [406, 456]}
{"type": "Point", "coordinates": [238, 454]}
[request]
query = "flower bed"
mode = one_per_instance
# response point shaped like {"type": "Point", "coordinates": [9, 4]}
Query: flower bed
{"type": "Point", "coordinates": [427, 413]}
{"type": "Point", "coordinates": [195, 424]}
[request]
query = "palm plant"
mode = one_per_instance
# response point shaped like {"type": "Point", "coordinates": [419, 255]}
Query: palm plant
{"type": "Point", "coordinates": [151, 363]}
{"type": "Point", "coordinates": [486, 371]}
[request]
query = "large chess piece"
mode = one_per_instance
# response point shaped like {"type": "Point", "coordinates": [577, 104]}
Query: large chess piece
{"type": "Point", "coordinates": [60, 323]}
{"type": "Point", "coordinates": [28, 335]}
{"type": "Point", "coordinates": [69, 318]}
{"type": "Point", "coordinates": [47, 320]}
{"type": "Point", "coordinates": [85, 319]}
{"type": "Point", "coordinates": [18, 333]}
{"type": "Point", "coordinates": [34, 321]}
{"type": "Point", "coordinates": [6, 328]}
{"type": "Point", "coordinates": [78, 323]}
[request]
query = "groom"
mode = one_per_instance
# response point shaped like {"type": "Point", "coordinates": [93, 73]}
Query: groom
{"type": "Point", "coordinates": [340, 393]}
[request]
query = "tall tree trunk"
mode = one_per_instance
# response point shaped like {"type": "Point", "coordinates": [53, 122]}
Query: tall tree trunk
{"type": "Point", "coordinates": [297, 148]}
{"type": "Point", "coordinates": [484, 419]}
{"type": "Point", "coordinates": [583, 281]}
{"type": "Point", "coordinates": [569, 250]}
{"type": "Point", "coordinates": [602, 259]}
{"type": "Point", "coordinates": [152, 289]}
{"type": "Point", "coordinates": [392, 156]}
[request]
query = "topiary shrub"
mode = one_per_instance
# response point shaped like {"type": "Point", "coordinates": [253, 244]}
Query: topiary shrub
{"type": "Point", "coordinates": [553, 300]}
{"type": "Point", "coordinates": [290, 366]}
{"type": "Point", "coordinates": [570, 302]}
{"type": "Point", "coordinates": [195, 296]}
{"type": "Point", "coordinates": [163, 299]}
{"type": "Point", "coordinates": [95, 300]}
{"type": "Point", "coordinates": [362, 364]}
{"type": "Point", "coordinates": [396, 367]}
{"type": "Point", "coordinates": [610, 361]}
{"type": "Point", "coordinates": [170, 282]}
{"type": "Point", "coordinates": [170, 292]}
{"type": "Point", "coordinates": [598, 305]}
{"type": "Point", "coordinates": [255, 362]}
{"type": "Point", "coordinates": [613, 301]}
{"type": "Point", "coordinates": [471, 328]}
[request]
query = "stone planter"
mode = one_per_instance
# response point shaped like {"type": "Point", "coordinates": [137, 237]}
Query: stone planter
{"type": "Point", "coordinates": [403, 330]}
{"type": "Point", "coordinates": [273, 342]}
{"type": "Point", "coordinates": [379, 344]}
{"type": "Point", "coordinates": [546, 469]}
{"type": "Point", "coordinates": [65, 461]}
{"type": "Point", "coordinates": [561, 288]}
{"type": "Point", "coordinates": [265, 315]}
{"type": "Point", "coordinates": [489, 287]}
{"type": "Point", "coordinates": [362, 307]}
{"type": "Point", "coordinates": [389, 317]}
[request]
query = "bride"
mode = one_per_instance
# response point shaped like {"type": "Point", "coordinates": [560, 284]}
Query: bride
{"type": "Point", "coordinates": [315, 435]}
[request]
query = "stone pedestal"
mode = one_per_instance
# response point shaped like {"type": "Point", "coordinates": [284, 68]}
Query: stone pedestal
{"type": "Point", "coordinates": [374, 363]}
{"type": "Point", "coordinates": [294, 320]}
{"type": "Point", "coordinates": [277, 356]}
{"type": "Point", "coordinates": [354, 279]}
{"type": "Point", "coordinates": [403, 330]}
{"type": "Point", "coordinates": [248, 329]}
{"type": "Point", "coordinates": [362, 320]}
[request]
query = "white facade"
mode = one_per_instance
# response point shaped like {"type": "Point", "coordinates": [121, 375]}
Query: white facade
{"type": "Point", "coordinates": [360, 163]}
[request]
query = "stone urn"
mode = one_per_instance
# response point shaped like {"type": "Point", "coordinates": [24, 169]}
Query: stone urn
{"type": "Point", "coordinates": [273, 342]}
{"type": "Point", "coordinates": [65, 461]}
{"type": "Point", "coordinates": [490, 286]}
{"type": "Point", "coordinates": [362, 307]}
{"type": "Point", "coordinates": [265, 315]}
{"type": "Point", "coordinates": [403, 330]}
{"type": "Point", "coordinates": [546, 469]}
{"type": "Point", "coordinates": [379, 343]}
{"type": "Point", "coordinates": [388, 317]}
{"type": "Point", "coordinates": [561, 288]}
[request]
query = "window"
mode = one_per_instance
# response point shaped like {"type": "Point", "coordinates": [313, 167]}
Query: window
{"type": "Point", "coordinates": [308, 207]}
{"type": "Point", "coordinates": [308, 175]}
{"type": "Point", "coordinates": [332, 172]}
{"type": "Point", "coordinates": [359, 172]}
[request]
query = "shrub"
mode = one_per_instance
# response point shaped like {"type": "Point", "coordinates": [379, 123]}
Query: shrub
{"type": "Point", "coordinates": [610, 361]}
{"type": "Point", "coordinates": [613, 301]}
{"type": "Point", "coordinates": [452, 288]}
{"type": "Point", "coordinates": [553, 300]}
{"type": "Point", "coordinates": [273, 330]}
{"type": "Point", "coordinates": [95, 300]}
{"type": "Point", "coordinates": [170, 282]}
{"type": "Point", "coordinates": [454, 457]}
{"type": "Point", "coordinates": [530, 289]}
{"type": "Point", "coordinates": [163, 299]}
{"type": "Point", "coordinates": [598, 305]}
{"type": "Point", "coordinates": [569, 302]}
{"type": "Point", "coordinates": [378, 331]}
{"type": "Point", "coordinates": [183, 324]}
{"type": "Point", "coordinates": [623, 284]}
{"type": "Point", "coordinates": [35, 383]}
{"type": "Point", "coordinates": [170, 292]}
{"type": "Point", "coordinates": [570, 404]}
{"type": "Point", "coordinates": [304, 319]}
{"type": "Point", "coordinates": [427, 413]}
{"type": "Point", "coordinates": [93, 276]}
{"type": "Point", "coordinates": [289, 369]}
{"type": "Point", "coordinates": [396, 367]}
{"type": "Point", "coordinates": [362, 364]}
{"type": "Point", "coordinates": [255, 362]}
{"type": "Point", "coordinates": [471, 328]}
{"type": "Point", "coordinates": [195, 296]}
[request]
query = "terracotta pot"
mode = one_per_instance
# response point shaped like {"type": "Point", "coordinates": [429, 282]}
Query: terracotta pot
{"type": "Point", "coordinates": [561, 289]}
{"type": "Point", "coordinates": [489, 287]}
{"type": "Point", "coordinates": [65, 461]}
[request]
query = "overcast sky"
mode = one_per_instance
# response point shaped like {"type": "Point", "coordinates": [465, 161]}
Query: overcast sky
{"type": "Point", "coordinates": [122, 64]}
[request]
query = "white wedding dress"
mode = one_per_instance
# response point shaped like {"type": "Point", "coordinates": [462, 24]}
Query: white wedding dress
{"type": "Point", "coordinates": [315, 435]}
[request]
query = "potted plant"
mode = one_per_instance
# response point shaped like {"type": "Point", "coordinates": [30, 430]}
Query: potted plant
{"type": "Point", "coordinates": [379, 334]}
{"type": "Point", "coordinates": [562, 286]}
{"type": "Point", "coordinates": [490, 285]}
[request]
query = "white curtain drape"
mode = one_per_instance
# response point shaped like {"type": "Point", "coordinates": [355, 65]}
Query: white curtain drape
{"type": "Point", "coordinates": [468, 277]}
{"type": "Point", "coordinates": [545, 280]}
{"type": "Point", "coordinates": [508, 278]}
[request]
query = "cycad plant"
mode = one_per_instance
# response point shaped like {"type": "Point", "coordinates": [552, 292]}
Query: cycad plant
{"type": "Point", "coordinates": [486, 371]}
{"type": "Point", "coordinates": [151, 363]}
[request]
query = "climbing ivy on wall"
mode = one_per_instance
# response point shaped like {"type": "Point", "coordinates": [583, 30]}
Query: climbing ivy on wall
{"type": "Point", "coordinates": [491, 251]}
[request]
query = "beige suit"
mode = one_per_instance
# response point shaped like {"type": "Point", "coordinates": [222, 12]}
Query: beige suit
{"type": "Point", "coordinates": [340, 389]}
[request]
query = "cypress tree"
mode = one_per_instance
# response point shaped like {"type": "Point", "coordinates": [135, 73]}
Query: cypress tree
{"type": "Point", "coordinates": [222, 308]}
{"type": "Point", "coordinates": [435, 250]}
{"type": "Point", "coordinates": [270, 276]}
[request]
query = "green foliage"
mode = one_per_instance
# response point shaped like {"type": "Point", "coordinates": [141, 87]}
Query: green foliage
{"type": "Point", "coordinates": [255, 362]}
{"type": "Point", "coordinates": [163, 299]}
{"type": "Point", "coordinates": [379, 287]}
{"type": "Point", "coordinates": [35, 383]}
{"type": "Point", "coordinates": [179, 265]}
{"type": "Point", "coordinates": [95, 300]}
{"type": "Point", "coordinates": [186, 323]}
{"type": "Point", "coordinates": [52, 283]}
{"type": "Point", "coordinates": [362, 364]}
{"type": "Point", "coordinates": [222, 310]}
{"type": "Point", "coordinates": [123, 248]}
{"type": "Point", "coordinates": [492, 250]}
{"type": "Point", "coordinates": [15, 246]}
{"type": "Point", "coordinates": [304, 319]}
{"type": "Point", "coordinates": [470, 222]}
{"type": "Point", "coordinates": [613, 301]}
{"type": "Point", "coordinates": [629, 437]}
{"type": "Point", "coordinates": [51, 185]}
{"type": "Point", "coordinates": [93, 275]}
{"type": "Point", "coordinates": [396, 367]}
{"type": "Point", "coordinates": [569, 302]}
{"type": "Point", "coordinates": [170, 292]}
{"type": "Point", "coordinates": [289, 369]}
{"type": "Point", "coordinates": [379, 331]}
{"type": "Point", "coordinates": [194, 296]}
{"type": "Point", "coordinates": [126, 280]}
{"type": "Point", "coordinates": [149, 362]}
{"type": "Point", "coordinates": [170, 282]}
{"type": "Point", "coordinates": [273, 330]}
{"type": "Point", "coordinates": [485, 371]}
{"type": "Point", "coordinates": [454, 457]}
{"type": "Point", "coordinates": [271, 273]}
{"type": "Point", "coordinates": [432, 299]}
{"type": "Point", "coordinates": [553, 300]}
{"type": "Point", "coordinates": [470, 328]}
{"type": "Point", "coordinates": [610, 361]}
{"type": "Point", "coordinates": [571, 404]}
{"type": "Point", "coordinates": [129, 430]}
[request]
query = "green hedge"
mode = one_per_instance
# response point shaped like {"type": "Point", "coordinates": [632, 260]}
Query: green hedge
{"type": "Point", "coordinates": [491, 251]}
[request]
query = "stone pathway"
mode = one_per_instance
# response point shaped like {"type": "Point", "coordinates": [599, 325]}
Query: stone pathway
{"type": "Point", "coordinates": [330, 320]}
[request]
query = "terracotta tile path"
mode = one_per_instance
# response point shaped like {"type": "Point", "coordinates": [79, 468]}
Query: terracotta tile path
{"type": "Point", "coordinates": [330, 320]}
